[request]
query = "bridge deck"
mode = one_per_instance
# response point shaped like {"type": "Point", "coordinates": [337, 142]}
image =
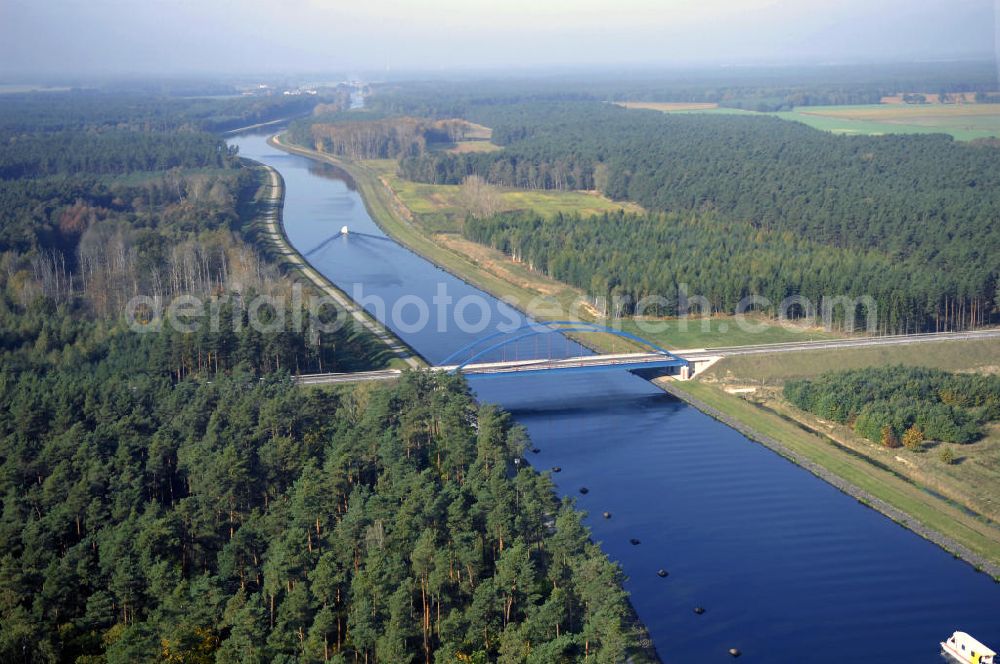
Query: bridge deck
{"type": "Point", "coordinates": [629, 361]}
{"type": "Point", "coordinates": [637, 360]}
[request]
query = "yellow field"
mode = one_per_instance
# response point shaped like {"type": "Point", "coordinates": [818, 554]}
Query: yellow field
{"type": "Point", "coordinates": [933, 98]}
{"type": "Point", "coordinates": [905, 113]}
{"type": "Point", "coordinates": [476, 138]}
{"type": "Point", "coordinates": [477, 132]}
{"type": "Point", "coordinates": [667, 107]}
{"type": "Point", "coordinates": [472, 146]}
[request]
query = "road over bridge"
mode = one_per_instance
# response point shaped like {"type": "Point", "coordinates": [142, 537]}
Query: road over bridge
{"type": "Point", "coordinates": [694, 360]}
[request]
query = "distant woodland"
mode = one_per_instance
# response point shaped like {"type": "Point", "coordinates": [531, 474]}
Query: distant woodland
{"type": "Point", "coordinates": [742, 206]}
{"type": "Point", "coordinates": [372, 136]}
{"type": "Point", "coordinates": [86, 110]}
{"type": "Point", "coordinates": [748, 88]}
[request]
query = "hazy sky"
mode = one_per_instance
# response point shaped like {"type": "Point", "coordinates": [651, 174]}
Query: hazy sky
{"type": "Point", "coordinates": [162, 36]}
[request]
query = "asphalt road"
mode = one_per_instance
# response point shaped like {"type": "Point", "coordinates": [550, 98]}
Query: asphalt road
{"type": "Point", "coordinates": [689, 354]}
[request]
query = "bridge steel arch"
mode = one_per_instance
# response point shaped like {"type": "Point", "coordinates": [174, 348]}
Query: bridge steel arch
{"type": "Point", "coordinates": [536, 328]}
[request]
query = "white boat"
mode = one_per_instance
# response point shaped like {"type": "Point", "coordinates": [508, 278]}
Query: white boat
{"type": "Point", "coordinates": [964, 648]}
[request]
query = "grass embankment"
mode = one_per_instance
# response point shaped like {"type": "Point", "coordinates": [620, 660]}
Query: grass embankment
{"type": "Point", "coordinates": [960, 501]}
{"type": "Point", "coordinates": [397, 220]}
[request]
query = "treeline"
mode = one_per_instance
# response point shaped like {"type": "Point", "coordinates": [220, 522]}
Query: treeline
{"type": "Point", "coordinates": [651, 259]}
{"type": "Point", "coordinates": [109, 153]}
{"type": "Point", "coordinates": [93, 219]}
{"type": "Point", "coordinates": [82, 110]}
{"type": "Point", "coordinates": [752, 88]}
{"type": "Point", "coordinates": [104, 216]}
{"type": "Point", "coordinates": [103, 245]}
{"type": "Point", "coordinates": [53, 212]}
{"type": "Point", "coordinates": [921, 200]}
{"type": "Point", "coordinates": [362, 135]}
{"type": "Point", "coordinates": [902, 405]}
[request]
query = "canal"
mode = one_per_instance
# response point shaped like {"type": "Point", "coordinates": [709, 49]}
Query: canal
{"type": "Point", "coordinates": [787, 568]}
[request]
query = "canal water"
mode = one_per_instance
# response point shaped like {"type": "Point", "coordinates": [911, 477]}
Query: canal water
{"type": "Point", "coordinates": [787, 568]}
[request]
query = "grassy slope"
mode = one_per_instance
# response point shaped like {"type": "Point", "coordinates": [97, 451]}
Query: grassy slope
{"type": "Point", "coordinates": [949, 356]}
{"type": "Point", "coordinates": [720, 331]}
{"type": "Point", "coordinates": [899, 476]}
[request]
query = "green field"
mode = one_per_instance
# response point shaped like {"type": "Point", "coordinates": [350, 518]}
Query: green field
{"type": "Point", "coordinates": [964, 122]}
{"type": "Point", "coordinates": [440, 208]}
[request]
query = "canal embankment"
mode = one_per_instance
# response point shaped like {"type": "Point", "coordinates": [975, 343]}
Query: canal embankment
{"type": "Point", "coordinates": [276, 244]}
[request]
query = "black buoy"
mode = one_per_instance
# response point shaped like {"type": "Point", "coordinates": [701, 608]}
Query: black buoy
{"type": "Point", "coordinates": [662, 573]}
{"type": "Point", "coordinates": [634, 541]}
{"type": "Point", "coordinates": [735, 652]}
{"type": "Point", "coordinates": [699, 610]}
{"type": "Point", "coordinates": [607, 515]}
{"type": "Point", "coordinates": [535, 450]}
{"type": "Point", "coordinates": [584, 490]}
{"type": "Point", "coordinates": [556, 469]}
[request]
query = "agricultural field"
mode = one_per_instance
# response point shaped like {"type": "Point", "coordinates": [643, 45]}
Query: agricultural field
{"type": "Point", "coordinates": [463, 147]}
{"type": "Point", "coordinates": [963, 121]}
{"type": "Point", "coordinates": [476, 139]}
{"type": "Point", "coordinates": [932, 98]}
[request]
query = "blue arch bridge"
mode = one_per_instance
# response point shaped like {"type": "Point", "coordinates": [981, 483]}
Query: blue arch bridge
{"type": "Point", "coordinates": [470, 359]}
